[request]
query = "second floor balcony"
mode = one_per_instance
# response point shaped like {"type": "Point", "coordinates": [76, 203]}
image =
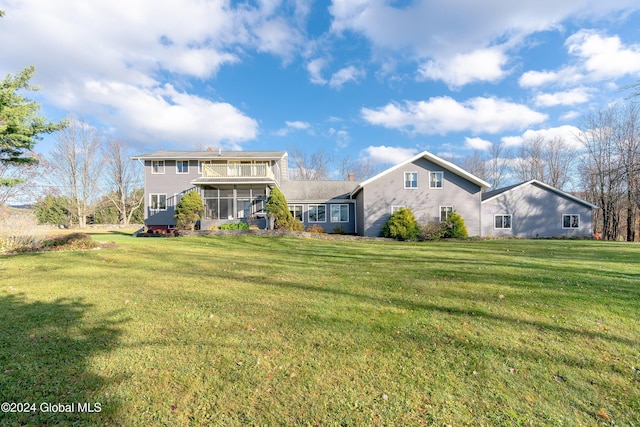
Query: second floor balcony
{"type": "Point", "coordinates": [237, 170]}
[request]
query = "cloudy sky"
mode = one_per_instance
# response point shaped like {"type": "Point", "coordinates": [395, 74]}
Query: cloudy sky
{"type": "Point", "coordinates": [378, 79]}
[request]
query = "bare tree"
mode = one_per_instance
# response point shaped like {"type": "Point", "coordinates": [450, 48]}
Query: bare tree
{"type": "Point", "coordinates": [476, 164]}
{"type": "Point", "coordinates": [627, 138]}
{"type": "Point", "coordinates": [310, 168]}
{"type": "Point", "coordinates": [599, 168]}
{"type": "Point", "coordinates": [78, 166]}
{"type": "Point", "coordinates": [26, 181]}
{"type": "Point", "coordinates": [530, 162]}
{"type": "Point", "coordinates": [546, 160]}
{"type": "Point", "coordinates": [498, 164]}
{"type": "Point", "coordinates": [123, 178]}
{"type": "Point", "coordinates": [360, 168]}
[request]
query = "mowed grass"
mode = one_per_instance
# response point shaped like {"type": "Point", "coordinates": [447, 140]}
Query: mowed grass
{"type": "Point", "coordinates": [287, 331]}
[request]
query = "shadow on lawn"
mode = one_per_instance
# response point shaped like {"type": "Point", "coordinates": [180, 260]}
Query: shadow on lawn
{"type": "Point", "coordinates": [45, 352]}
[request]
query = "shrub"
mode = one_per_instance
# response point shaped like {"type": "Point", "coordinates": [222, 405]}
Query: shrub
{"type": "Point", "coordinates": [234, 226]}
{"type": "Point", "coordinates": [456, 229]}
{"type": "Point", "coordinates": [339, 229]}
{"type": "Point", "coordinates": [402, 225]}
{"type": "Point", "coordinates": [278, 209]}
{"type": "Point", "coordinates": [69, 242]}
{"type": "Point", "coordinates": [188, 210]}
{"type": "Point", "coordinates": [315, 228]}
{"type": "Point", "coordinates": [432, 231]}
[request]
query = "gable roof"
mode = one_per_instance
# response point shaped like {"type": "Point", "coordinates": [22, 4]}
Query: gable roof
{"type": "Point", "coordinates": [210, 155]}
{"type": "Point", "coordinates": [434, 159]}
{"type": "Point", "coordinates": [295, 190]}
{"type": "Point", "coordinates": [493, 194]}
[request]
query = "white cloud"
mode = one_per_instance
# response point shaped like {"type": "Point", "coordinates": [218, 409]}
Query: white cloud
{"type": "Point", "coordinates": [291, 126]}
{"type": "Point", "coordinates": [566, 132]}
{"type": "Point", "coordinates": [604, 57]}
{"type": "Point", "coordinates": [571, 97]}
{"type": "Point", "coordinates": [478, 143]}
{"type": "Point", "coordinates": [433, 33]}
{"type": "Point", "coordinates": [165, 114]}
{"type": "Point", "coordinates": [441, 115]}
{"type": "Point", "coordinates": [383, 155]}
{"type": "Point", "coordinates": [345, 75]}
{"type": "Point", "coordinates": [89, 56]}
{"type": "Point", "coordinates": [480, 65]}
{"type": "Point", "coordinates": [314, 68]}
{"type": "Point", "coordinates": [342, 137]}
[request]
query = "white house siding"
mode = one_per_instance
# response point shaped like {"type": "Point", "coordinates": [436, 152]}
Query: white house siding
{"type": "Point", "coordinates": [379, 195]}
{"type": "Point", "coordinates": [536, 212]}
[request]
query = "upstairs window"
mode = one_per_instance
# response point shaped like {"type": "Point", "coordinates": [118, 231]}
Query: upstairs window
{"type": "Point", "coordinates": [570, 221]}
{"type": "Point", "coordinates": [182, 166]}
{"type": "Point", "coordinates": [411, 180]}
{"type": "Point", "coordinates": [436, 179]}
{"type": "Point", "coordinates": [157, 166]}
{"type": "Point", "coordinates": [502, 221]}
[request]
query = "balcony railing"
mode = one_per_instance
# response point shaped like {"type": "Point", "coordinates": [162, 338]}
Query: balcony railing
{"type": "Point", "coordinates": [237, 170]}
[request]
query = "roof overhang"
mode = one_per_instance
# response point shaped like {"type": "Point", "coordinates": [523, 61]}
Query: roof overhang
{"type": "Point", "coordinates": [548, 187]}
{"type": "Point", "coordinates": [434, 159]}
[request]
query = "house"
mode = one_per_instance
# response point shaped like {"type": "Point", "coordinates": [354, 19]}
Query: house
{"type": "Point", "coordinates": [535, 209]}
{"type": "Point", "coordinates": [428, 185]}
{"type": "Point", "coordinates": [235, 185]}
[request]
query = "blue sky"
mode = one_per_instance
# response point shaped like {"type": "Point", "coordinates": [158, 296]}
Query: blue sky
{"type": "Point", "coordinates": [377, 80]}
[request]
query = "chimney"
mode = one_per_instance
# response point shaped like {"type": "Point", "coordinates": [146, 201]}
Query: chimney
{"type": "Point", "coordinates": [352, 176]}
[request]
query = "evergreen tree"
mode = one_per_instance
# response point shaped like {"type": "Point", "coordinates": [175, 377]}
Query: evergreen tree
{"type": "Point", "coordinates": [402, 225]}
{"type": "Point", "coordinates": [21, 125]}
{"type": "Point", "coordinates": [53, 210]}
{"type": "Point", "coordinates": [456, 228]}
{"type": "Point", "coordinates": [188, 211]}
{"type": "Point", "coordinates": [278, 209]}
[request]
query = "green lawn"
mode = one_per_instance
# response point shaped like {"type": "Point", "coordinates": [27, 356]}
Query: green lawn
{"type": "Point", "coordinates": [286, 331]}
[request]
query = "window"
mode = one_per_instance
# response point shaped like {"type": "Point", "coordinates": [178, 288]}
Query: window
{"type": "Point", "coordinates": [435, 179]}
{"type": "Point", "coordinates": [502, 221]}
{"type": "Point", "coordinates": [395, 209]}
{"type": "Point", "coordinates": [411, 180]}
{"type": "Point", "coordinates": [158, 202]}
{"type": "Point", "coordinates": [444, 212]}
{"type": "Point", "coordinates": [317, 213]}
{"type": "Point", "coordinates": [571, 221]}
{"type": "Point", "coordinates": [296, 211]}
{"type": "Point", "coordinates": [182, 166]}
{"type": "Point", "coordinates": [340, 213]}
{"type": "Point", "coordinates": [157, 166]}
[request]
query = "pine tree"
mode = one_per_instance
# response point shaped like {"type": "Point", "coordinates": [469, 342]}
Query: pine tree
{"type": "Point", "coordinates": [188, 211]}
{"type": "Point", "coordinates": [21, 125]}
{"type": "Point", "coordinates": [278, 209]}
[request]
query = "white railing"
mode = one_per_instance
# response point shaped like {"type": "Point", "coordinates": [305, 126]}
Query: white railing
{"type": "Point", "coordinates": [237, 170]}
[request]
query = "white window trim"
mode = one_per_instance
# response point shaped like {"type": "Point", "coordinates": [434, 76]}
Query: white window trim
{"type": "Point", "coordinates": [405, 180]}
{"type": "Point", "coordinates": [151, 202]}
{"type": "Point", "coordinates": [331, 213]}
{"type": "Point", "coordinates": [503, 228]}
{"type": "Point", "coordinates": [309, 213]}
{"type": "Point", "coordinates": [188, 167]}
{"type": "Point", "coordinates": [571, 228]}
{"type": "Point", "coordinates": [441, 180]}
{"type": "Point", "coordinates": [292, 208]}
{"type": "Point", "coordinates": [158, 162]}
{"type": "Point", "coordinates": [396, 208]}
{"type": "Point", "coordinates": [440, 211]}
